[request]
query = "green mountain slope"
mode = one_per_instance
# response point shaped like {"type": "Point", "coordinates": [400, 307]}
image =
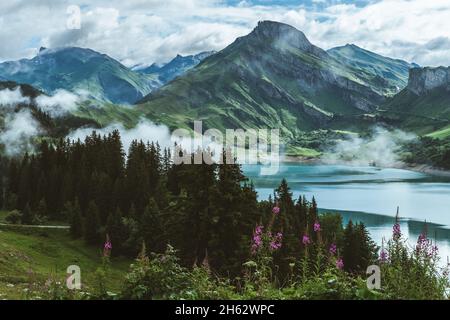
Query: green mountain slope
{"type": "Point", "coordinates": [392, 73]}
{"type": "Point", "coordinates": [48, 126]}
{"type": "Point", "coordinates": [272, 78]}
{"type": "Point", "coordinates": [424, 105]}
{"type": "Point", "coordinates": [80, 70]}
{"type": "Point", "coordinates": [441, 134]}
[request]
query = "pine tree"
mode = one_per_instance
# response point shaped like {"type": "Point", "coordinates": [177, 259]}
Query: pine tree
{"type": "Point", "coordinates": [76, 220]}
{"type": "Point", "coordinates": [2, 192]}
{"type": "Point", "coordinates": [313, 215]}
{"type": "Point", "coordinates": [150, 227]}
{"type": "Point", "coordinates": [115, 230]}
{"type": "Point", "coordinates": [287, 222]}
{"type": "Point", "coordinates": [92, 225]}
{"type": "Point", "coordinates": [42, 208]}
{"type": "Point", "coordinates": [28, 216]}
{"type": "Point", "coordinates": [367, 249]}
{"type": "Point", "coordinates": [132, 213]}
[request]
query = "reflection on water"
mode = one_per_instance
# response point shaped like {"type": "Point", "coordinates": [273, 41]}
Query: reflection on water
{"type": "Point", "coordinates": [355, 191]}
{"type": "Point", "coordinates": [380, 227]}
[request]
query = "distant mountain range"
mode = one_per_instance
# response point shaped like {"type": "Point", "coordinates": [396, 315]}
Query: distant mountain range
{"type": "Point", "coordinates": [176, 67]}
{"type": "Point", "coordinates": [86, 71]}
{"type": "Point", "coordinates": [273, 77]}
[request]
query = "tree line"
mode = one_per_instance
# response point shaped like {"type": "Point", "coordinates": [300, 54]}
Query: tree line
{"type": "Point", "coordinates": [208, 212]}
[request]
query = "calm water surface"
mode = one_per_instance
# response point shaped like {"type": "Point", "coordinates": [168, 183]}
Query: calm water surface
{"type": "Point", "coordinates": [370, 195]}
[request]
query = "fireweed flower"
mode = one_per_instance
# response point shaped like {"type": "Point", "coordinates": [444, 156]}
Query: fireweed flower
{"type": "Point", "coordinates": [333, 249]}
{"type": "Point", "coordinates": [340, 264]}
{"type": "Point", "coordinates": [434, 251]}
{"type": "Point", "coordinates": [422, 243]}
{"type": "Point", "coordinates": [257, 239]}
{"type": "Point", "coordinates": [316, 226]}
{"type": "Point", "coordinates": [396, 231]}
{"type": "Point", "coordinates": [259, 230]}
{"type": "Point", "coordinates": [306, 240]}
{"type": "Point", "coordinates": [383, 255]}
{"type": "Point", "coordinates": [275, 244]}
{"type": "Point", "coordinates": [107, 248]}
{"type": "Point", "coordinates": [276, 210]}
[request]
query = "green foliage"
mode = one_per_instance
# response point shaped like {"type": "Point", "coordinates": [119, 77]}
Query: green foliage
{"type": "Point", "coordinates": [423, 113]}
{"type": "Point", "coordinates": [157, 277]}
{"type": "Point", "coordinates": [28, 216]}
{"type": "Point", "coordinates": [14, 217]}
{"type": "Point", "coordinates": [359, 251]}
{"type": "Point", "coordinates": [429, 151]}
{"type": "Point", "coordinates": [92, 225]}
{"type": "Point", "coordinates": [413, 274]}
{"type": "Point", "coordinates": [75, 218]}
{"type": "Point", "coordinates": [160, 276]}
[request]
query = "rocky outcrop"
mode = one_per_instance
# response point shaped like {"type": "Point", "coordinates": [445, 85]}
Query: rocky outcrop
{"type": "Point", "coordinates": [423, 80]}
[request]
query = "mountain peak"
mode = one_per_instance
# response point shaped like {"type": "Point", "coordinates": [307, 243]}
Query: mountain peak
{"type": "Point", "coordinates": [281, 34]}
{"type": "Point", "coordinates": [423, 80]}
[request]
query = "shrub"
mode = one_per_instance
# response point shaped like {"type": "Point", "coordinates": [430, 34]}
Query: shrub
{"type": "Point", "coordinates": [157, 277]}
{"type": "Point", "coordinates": [14, 217]}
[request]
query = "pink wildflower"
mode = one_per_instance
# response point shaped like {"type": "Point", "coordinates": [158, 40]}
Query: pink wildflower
{"type": "Point", "coordinates": [316, 226]}
{"type": "Point", "coordinates": [257, 239]}
{"type": "Point", "coordinates": [383, 255]}
{"type": "Point", "coordinates": [306, 240]}
{"type": "Point", "coordinates": [107, 247]}
{"type": "Point", "coordinates": [276, 210]}
{"type": "Point", "coordinates": [333, 249]}
{"type": "Point", "coordinates": [275, 244]}
{"type": "Point", "coordinates": [396, 231]}
{"type": "Point", "coordinates": [340, 264]}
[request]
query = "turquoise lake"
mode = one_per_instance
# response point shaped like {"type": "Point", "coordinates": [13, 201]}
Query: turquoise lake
{"type": "Point", "coordinates": [370, 195]}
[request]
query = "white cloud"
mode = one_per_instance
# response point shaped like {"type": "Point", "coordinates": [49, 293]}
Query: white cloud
{"type": "Point", "coordinates": [18, 128]}
{"type": "Point", "coordinates": [145, 130]}
{"type": "Point", "coordinates": [141, 32]}
{"type": "Point", "coordinates": [19, 131]}
{"type": "Point", "coordinates": [60, 103]}
{"type": "Point", "coordinates": [10, 98]}
{"type": "Point", "coordinates": [381, 148]}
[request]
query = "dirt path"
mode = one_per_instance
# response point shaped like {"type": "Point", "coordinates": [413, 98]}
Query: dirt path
{"type": "Point", "coordinates": [33, 226]}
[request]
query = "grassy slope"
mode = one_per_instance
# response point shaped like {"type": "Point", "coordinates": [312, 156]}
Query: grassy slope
{"type": "Point", "coordinates": [441, 134]}
{"type": "Point", "coordinates": [422, 114]}
{"type": "Point", "coordinates": [302, 152]}
{"type": "Point", "coordinates": [104, 113]}
{"type": "Point", "coordinates": [48, 253]}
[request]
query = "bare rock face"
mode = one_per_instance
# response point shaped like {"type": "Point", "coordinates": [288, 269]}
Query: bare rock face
{"type": "Point", "coordinates": [422, 80]}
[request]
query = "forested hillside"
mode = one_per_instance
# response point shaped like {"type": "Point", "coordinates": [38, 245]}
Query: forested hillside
{"type": "Point", "coordinates": [280, 248]}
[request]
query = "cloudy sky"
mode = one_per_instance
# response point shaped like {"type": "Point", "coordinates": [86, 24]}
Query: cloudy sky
{"type": "Point", "coordinates": [146, 31]}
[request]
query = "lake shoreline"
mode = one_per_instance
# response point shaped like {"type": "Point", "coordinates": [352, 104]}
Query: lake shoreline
{"type": "Point", "coordinates": [411, 167]}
